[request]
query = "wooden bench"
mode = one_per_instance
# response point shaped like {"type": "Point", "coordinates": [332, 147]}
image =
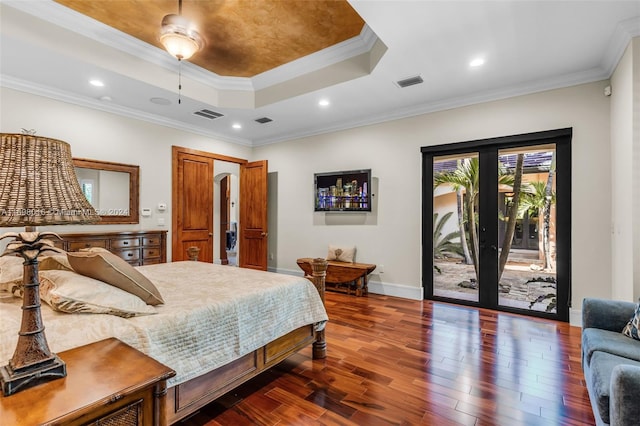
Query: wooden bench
{"type": "Point", "coordinates": [343, 273]}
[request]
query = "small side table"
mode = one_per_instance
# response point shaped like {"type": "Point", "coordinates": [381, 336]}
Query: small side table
{"type": "Point", "coordinates": [343, 272]}
{"type": "Point", "coordinates": [108, 382]}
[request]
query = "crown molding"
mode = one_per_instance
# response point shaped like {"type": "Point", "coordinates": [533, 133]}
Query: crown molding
{"type": "Point", "coordinates": [568, 80]}
{"type": "Point", "coordinates": [355, 46]}
{"type": "Point", "coordinates": [624, 32]}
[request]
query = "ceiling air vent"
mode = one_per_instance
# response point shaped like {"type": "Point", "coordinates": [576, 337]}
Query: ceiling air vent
{"type": "Point", "coordinates": [207, 113]}
{"type": "Point", "coordinates": [263, 120]}
{"type": "Point", "coordinates": [410, 81]}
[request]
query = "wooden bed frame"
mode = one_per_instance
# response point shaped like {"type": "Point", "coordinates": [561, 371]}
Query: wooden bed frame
{"type": "Point", "coordinates": [187, 398]}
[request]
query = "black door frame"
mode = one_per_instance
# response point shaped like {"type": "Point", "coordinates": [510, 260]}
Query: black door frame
{"type": "Point", "coordinates": [488, 157]}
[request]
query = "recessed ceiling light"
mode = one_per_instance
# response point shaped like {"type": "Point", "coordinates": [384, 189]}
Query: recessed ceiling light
{"type": "Point", "coordinates": [97, 83]}
{"type": "Point", "coordinates": [324, 102]}
{"type": "Point", "coordinates": [237, 126]}
{"type": "Point", "coordinates": [477, 62]}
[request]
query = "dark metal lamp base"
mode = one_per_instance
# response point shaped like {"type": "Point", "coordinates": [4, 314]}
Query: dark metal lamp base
{"type": "Point", "coordinates": [16, 380]}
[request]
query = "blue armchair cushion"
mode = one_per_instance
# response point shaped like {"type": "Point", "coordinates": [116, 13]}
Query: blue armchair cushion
{"type": "Point", "coordinates": [601, 378]}
{"type": "Point", "coordinates": [595, 339]}
{"type": "Point", "coordinates": [632, 329]}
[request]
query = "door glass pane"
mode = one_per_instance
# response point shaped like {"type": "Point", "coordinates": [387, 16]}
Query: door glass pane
{"type": "Point", "coordinates": [527, 228]}
{"type": "Point", "coordinates": [455, 224]}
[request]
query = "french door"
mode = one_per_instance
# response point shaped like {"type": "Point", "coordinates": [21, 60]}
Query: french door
{"type": "Point", "coordinates": [497, 223]}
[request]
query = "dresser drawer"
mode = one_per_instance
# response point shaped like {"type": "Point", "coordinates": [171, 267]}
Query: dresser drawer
{"type": "Point", "coordinates": [117, 243]}
{"type": "Point", "coordinates": [150, 253]}
{"type": "Point", "coordinates": [152, 241]}
{"type": "Point", "coordinates": [128, 255]}
{"type": "Point", "coordinates": [78, 245]}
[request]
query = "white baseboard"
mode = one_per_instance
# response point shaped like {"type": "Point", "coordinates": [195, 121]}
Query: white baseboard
{"type": "Point", "coordinates": [376, 287]}
{"type": "Point", "coordinates": [396, 290]}
{"type": "Point", "coordinates": [575, 317]}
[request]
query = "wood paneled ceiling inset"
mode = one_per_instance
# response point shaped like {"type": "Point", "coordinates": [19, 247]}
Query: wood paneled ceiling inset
{"type": "Point", "coordinates": [244, 38]}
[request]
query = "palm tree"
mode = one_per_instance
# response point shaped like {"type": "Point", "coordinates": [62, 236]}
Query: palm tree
{"type": "Point", "coordinates": [511, 213]}
{"type": "Point", "coordinates": [536, 198]}
{"type": "Point", "coordinates": [466, 177]}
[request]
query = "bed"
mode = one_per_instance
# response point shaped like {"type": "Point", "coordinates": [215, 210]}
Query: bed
{"type": "Point", "coordinates": [218, 326]}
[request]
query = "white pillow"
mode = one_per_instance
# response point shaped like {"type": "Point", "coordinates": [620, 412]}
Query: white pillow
{"type": "Point", "coordinates": [69, 292]}
{"type": "Point", "coordinates": [342, 254]}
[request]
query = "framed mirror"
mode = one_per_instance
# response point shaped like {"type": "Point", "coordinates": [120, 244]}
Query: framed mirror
{"type": "Point", "coordinates": [111, 188]}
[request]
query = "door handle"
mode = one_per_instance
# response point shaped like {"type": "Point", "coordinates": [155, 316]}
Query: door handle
{"type": "Point", "coordinates": [264, 234]}
{"type": "Point", "coordinates": [210, 234]}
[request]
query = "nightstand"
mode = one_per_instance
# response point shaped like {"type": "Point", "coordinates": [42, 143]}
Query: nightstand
{"type": "Point", "coordinates": [108, 382]}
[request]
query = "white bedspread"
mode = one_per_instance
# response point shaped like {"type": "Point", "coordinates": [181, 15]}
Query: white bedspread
{"type": "Point", "coordinates": [212, 315]}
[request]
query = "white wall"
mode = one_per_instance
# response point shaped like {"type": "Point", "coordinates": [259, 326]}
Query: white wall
{"type": "Point", "coordinates": [622, 184]}
{"type": "Point", "coordinates": [391, 235]}
{"type": "Point", "coordinates": [104, 136]}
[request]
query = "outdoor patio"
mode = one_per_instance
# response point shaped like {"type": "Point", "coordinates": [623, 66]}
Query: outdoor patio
{"type": "Point", "coordinates": [520, 285]}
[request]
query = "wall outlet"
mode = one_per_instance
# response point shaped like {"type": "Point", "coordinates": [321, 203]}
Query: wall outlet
{"type": "Point", "coordinates": [381, 269]}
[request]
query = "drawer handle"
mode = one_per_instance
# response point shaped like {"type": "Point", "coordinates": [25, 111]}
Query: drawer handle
{"type": "Point", "coordinates": [125, 243]}
{"type": "Point", "coordinates": [115, 398]}
{"type": "Point", "coordinates": [87, 245]}
{"type": "Point", "coordinates": [129, 254]}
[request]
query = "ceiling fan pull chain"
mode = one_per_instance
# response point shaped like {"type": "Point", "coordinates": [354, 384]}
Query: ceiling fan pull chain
{"type": "Point", "coordinates": [179, 81]}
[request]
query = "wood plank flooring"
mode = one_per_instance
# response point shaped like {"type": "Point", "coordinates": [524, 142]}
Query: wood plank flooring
{"type": "Point", "coordinates": [393, 361]}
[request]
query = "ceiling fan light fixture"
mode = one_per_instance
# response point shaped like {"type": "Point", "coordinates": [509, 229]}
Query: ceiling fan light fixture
{"type": "Point", "coordinates": [179, 37]}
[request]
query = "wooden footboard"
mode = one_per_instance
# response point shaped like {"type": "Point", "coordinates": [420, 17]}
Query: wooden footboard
{"type": "Point", "coordinates": [188, 397]}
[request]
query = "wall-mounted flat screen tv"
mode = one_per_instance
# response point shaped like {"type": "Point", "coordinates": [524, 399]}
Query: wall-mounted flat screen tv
{"type": "Point", "coordinates": [346, 191]}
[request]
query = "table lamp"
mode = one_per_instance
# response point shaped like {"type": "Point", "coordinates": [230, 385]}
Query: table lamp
{"type": "Point", "coordinates": [38, 186]}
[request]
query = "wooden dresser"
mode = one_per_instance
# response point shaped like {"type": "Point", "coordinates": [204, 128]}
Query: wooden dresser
{"type": "Point", "coordinates": [136, 247]}
{"type": "Point", "coordinates": [107, 383]}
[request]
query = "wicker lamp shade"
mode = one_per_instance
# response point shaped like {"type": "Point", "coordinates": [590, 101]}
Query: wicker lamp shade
{"type": "Point", "coordinates": [38, 184]}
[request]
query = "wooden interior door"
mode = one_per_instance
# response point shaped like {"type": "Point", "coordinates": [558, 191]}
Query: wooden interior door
{"type": "Point", "coordinates": [253, 216]}
{"type": "Point", "coordinates": [192, 202]}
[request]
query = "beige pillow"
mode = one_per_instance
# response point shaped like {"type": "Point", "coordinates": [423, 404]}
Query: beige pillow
{"type": "Point", "coordinates": [111, 269]}
{"type": "Point", "coordinates": [11, 271]}
{"type": "Point", "coordinates": [66, 291]}
{"type": "Point", "coordinates": [56, 261]}
{"type": "Point", "coordinates": [342, 254]}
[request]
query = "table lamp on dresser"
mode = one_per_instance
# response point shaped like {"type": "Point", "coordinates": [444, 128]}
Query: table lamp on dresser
{"type": "Point", "coordinates": [38, 186]}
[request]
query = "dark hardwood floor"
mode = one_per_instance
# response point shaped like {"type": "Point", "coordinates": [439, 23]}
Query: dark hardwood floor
{"type": "Point", "coordinates": [401, 362]}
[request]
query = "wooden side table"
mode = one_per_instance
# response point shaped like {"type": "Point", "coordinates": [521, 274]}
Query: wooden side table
{"type": "Point", "coordinates": [343, 272]}
{"type": "Point", "coordinates": [108, 382]}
